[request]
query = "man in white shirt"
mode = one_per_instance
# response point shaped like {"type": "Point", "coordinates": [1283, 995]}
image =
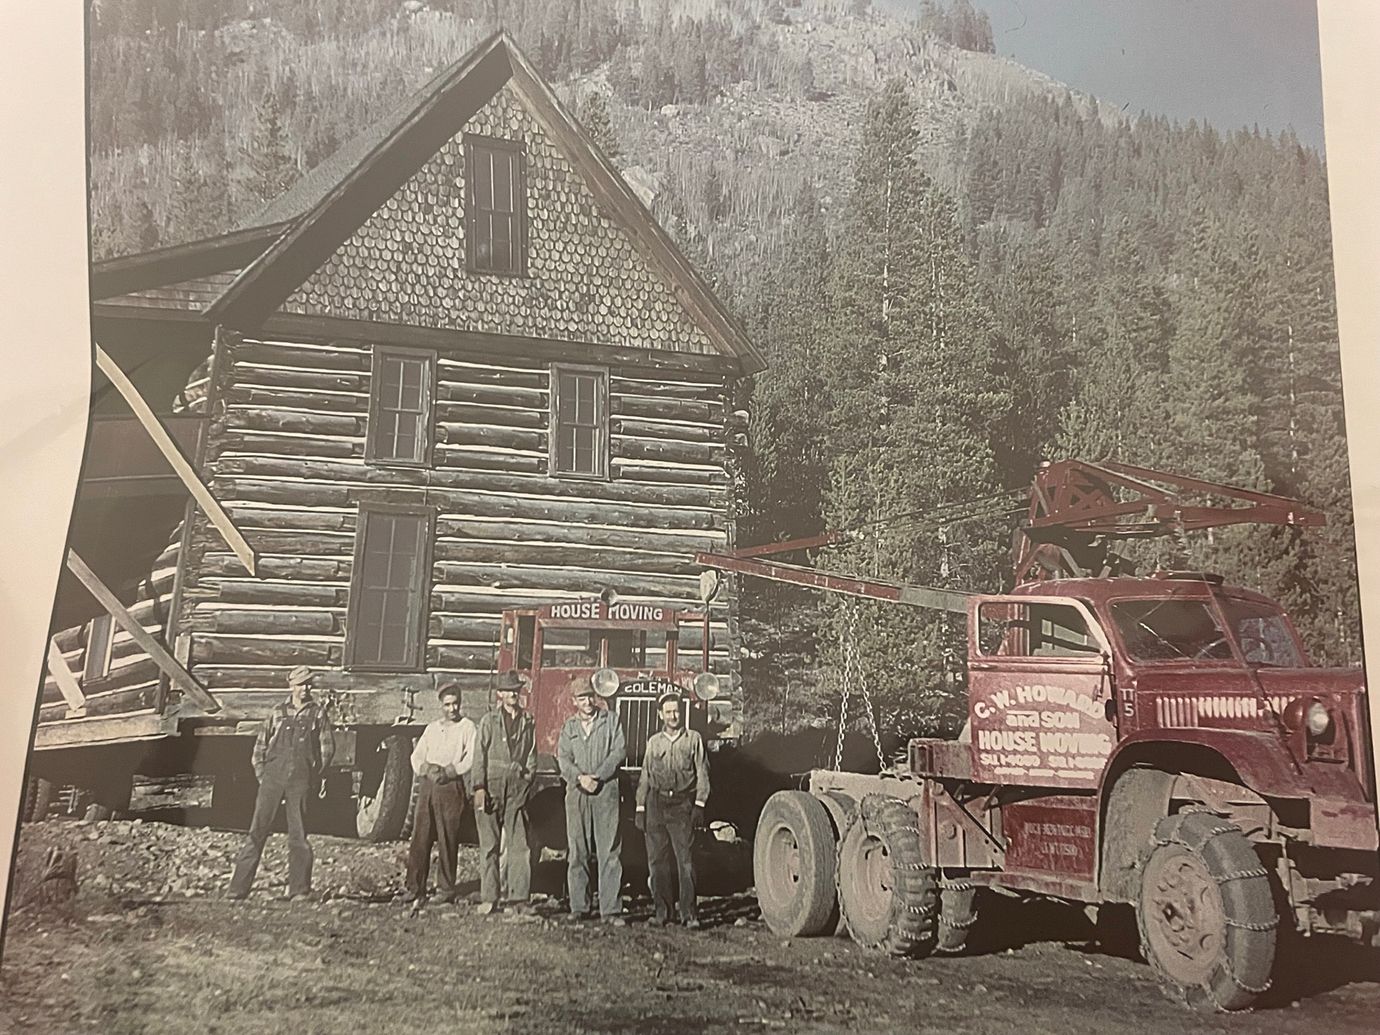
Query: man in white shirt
{"type": "Point", "coordinates": [671, 792]}
{"type": "Point", "coordinates": [442, 760]}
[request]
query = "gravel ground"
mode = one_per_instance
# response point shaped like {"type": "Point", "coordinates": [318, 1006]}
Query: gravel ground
{"type": "Point", "coordinates": [149, 946]}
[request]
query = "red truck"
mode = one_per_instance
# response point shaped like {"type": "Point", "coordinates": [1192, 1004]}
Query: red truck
{"type": "Point", "coordinates": [1157, 742]}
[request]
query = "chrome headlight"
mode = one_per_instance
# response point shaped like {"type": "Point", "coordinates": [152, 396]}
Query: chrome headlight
{"type": "Point", "coordinates": [1317, 719]}
{"type": "Point", "coordinates": [707, 686]}
{"type": "Point", "coordinates": [605, 682]}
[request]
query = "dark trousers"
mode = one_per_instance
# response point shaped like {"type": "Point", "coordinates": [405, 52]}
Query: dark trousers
{"type": "Point", "coordinates": [505, 860]}
{"type": "Point", "coordinates": [669, 833]}
{"type": "Point", "coordinates": [278, 785]}
{"type": "Point", "coordinates": [440, 807]}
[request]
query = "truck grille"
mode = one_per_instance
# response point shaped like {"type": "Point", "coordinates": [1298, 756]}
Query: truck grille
{"type": "Point", "coordinates": [641, 718]}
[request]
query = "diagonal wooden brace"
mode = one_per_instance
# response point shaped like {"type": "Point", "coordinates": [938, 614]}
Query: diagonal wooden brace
{"type": "Point", "coordinates": [181, 678]}
{"type": "Point", "coordinates": [67, 683]}
{"type": "Point", "coordinates": [173, 455]}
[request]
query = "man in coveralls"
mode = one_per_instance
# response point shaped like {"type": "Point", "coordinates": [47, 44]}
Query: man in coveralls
{"type": "Point", "coordinates": [505, 760]}
{"type": "Point", "coordinates": [292, 750]}
{"type": "Point", "coordinates": [671, 793]}
{"type": "Point", "coordinates": [590, 751]}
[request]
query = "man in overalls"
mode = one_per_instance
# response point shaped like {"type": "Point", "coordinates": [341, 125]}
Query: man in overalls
{"type": "Point", "coordinates": [292, 750]}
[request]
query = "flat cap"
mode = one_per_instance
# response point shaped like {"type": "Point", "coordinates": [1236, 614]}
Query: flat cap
{"type": "Point", "coordinates": [510, 679]}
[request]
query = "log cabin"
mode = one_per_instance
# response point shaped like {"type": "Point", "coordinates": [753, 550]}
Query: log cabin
{"type": "Point", "coordinates": [457, 368]}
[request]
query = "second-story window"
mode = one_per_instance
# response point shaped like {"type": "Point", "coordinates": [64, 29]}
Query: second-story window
{"type": "Point", "coordinates": [495, 206]}
{"type": "Point", "coordinates": [400, 398]}
{"type": "Point", "coordinates": [579, 421]}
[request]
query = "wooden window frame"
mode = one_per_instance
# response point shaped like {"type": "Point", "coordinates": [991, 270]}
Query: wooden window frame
{"type": "Point", "coordinates": [603, 449]}
{"type": "Point", "coordinates": [422, 598]}
{"type": "Point", "coordinates": [426, 432]}
{"type": "Point", "coordinates": [475, 144]}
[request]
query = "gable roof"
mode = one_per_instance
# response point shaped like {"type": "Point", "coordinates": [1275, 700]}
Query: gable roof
{"type": "Point", "coordinates": [332, 201]}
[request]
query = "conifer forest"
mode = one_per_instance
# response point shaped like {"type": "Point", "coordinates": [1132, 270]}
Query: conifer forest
{"type": "Point", "coordinates": [956, 267]}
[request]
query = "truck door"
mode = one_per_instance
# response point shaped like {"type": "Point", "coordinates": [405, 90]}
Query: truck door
{"type": "Point", "coordinates": [1039, 692]}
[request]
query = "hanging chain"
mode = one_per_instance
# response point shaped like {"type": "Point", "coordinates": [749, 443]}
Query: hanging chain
{"type": "Point", "coordinates": [852, 673]}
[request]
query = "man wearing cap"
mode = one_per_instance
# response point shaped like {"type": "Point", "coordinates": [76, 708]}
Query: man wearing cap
{"type": "Point", "coordinates": [671, 793]}
{"type": "Point", "coordinates": [590, 751]}
{"type": "Point", "coordinates": [441, 760]}
{"type": "Point", "coordinates": [505, 760]}
{"type": "Point", "coordinates": [292, 750]}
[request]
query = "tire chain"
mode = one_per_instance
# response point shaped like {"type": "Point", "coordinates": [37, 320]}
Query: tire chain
{"type": "Point", "coordinates": [860, 817]}
{"type": "Point", "coordinates": [1210, 834]}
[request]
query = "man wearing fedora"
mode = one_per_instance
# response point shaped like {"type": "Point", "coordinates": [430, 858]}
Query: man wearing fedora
{"type": "Point", "coordinates": [505, 760]}
{"type": "Point", "coordinates": [292, 750]}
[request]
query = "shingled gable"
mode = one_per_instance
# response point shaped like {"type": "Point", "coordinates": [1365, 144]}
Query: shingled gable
{"type": "Point", "coordinates": [442, 111]}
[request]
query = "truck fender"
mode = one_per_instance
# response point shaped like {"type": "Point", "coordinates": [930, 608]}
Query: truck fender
{"type": "Point", "coordinates": [1258, 760]}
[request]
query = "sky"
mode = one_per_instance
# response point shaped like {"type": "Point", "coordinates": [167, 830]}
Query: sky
{"type": "Point", "coordinates": [1232, 62]}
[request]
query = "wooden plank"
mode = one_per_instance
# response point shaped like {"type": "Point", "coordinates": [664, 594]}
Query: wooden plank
{"type": "Point", "coordinates": [209, 504]}
{"type": "Point", "coordinates": [67, 683]}
{"type": "Point", "coordinates": [265, 650]}
{"type": "Point", "coordinates": [450, 574]}
{"type": "Point", "coordinates": [180, 677]}
{"type": "Point", "coordinates": [660, 539]}
{"type": "Point", "coordinates": [301, 594]}
{"type": "Point", "coordinates": [102, 729]}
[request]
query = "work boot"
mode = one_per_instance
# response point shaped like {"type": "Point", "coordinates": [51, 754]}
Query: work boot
{"type": "Point", "coordinates": [485, 908]}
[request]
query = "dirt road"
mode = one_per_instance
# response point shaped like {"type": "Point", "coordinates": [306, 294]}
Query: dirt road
{"type": "Point", "coordinates": [148, 947]}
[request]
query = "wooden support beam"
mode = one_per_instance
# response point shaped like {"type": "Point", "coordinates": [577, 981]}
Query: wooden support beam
{"type": "Point", "coordinates": [181, 678]}
{"type": "Point", "coordinates": [174, 456]}
{"type": "Point", "coordinates": [67, 683]}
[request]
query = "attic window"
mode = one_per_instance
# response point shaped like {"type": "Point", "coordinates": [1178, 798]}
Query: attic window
{"type": "Point", "coordinates": [495, 206]}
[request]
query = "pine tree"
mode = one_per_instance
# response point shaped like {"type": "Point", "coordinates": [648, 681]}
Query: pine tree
{"type": "Point", "coordinates": [594, 117]}
{"type": "Point", "coordinates": [270, 169]}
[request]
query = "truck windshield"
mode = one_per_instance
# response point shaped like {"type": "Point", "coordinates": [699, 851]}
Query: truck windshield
{"type": "Point", "coordinates": [591, 648]}
{"type": "Point", "coordinates": [1160, 630]}
{"type": "Point", "coordinates": [1264, 634]}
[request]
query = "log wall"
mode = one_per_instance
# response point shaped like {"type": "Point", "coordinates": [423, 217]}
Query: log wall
{"type": "Point", "coordinates": [285, 454]}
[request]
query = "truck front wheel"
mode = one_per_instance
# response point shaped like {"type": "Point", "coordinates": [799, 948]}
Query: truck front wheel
{"type": "Point", "coordinates": [889, 896]}
{"type": "Point", "coordinates": [382, 806]}
{"type": "Point", "coordinates": [793, 865]}
{"type": "Point", "coordinates": [1206, 914]}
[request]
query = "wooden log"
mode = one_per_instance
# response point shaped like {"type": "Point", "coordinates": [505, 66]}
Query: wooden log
{"type": "Point", "coordinates": [578, 555]}
{"type": "Point", "coordinates": [251, 376]}
{"type": "Point", "coordinates": [471, 459]}
{"type": "Point", "coordinates": [442, 626]}
{"type": "Point", "coordinates": [277, 622]}
{"type": "Point", "coordinates": [450, 574]}
{"type": "Point", "coordinates": [502, 416]}
{"type": "Point", "coordinates": [258, 650]}
{"type": "Point", "coordinates": [675, 452]}
{"type": "Point", "coordinates": [672, 474]}
{"type": "Point", "coordinates": [273, 418]}
{"type": "Point", "coordinates": [680, 409]}
{"type": "Point", "coordinates": [444, 657]}
{"type": "Point", "coordinates": [666, 430]}
{"type": "Point", "coordinates": [308, 569]}
{"type": "Point", "coordinates": [659, 539]}
{"type": "Point", "coordinates": [454, 434]}
{"type": "Point", "coordinates": [302, 494]}
{"type": "Point", "coordinates": [140, 670]}
{"type": "Point", "coordinates": [115, 703]}
{"type": "Point", "coordinates": [274, 678]}
{"type": "Point", "coordinates": [451, 372]}
{"type": "Point", "coordinates": [308, 358]}
{"type": "Point", "coordinates": [266, 442]}
{"type": "Point", "coordinates": [301, 594]}
{"type": "Point", "coordinates": [658, 390]}
{"type": "Point", "coordinates": [493, 394]}
{"type": "Point", "coordinates": [270, 397]}
{"type": "Point", "coordinates": [250, 518]}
